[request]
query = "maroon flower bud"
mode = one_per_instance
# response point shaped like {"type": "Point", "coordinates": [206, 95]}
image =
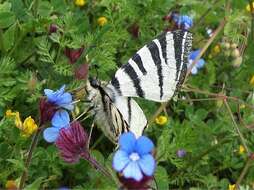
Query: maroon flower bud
{"type": "Point", "coordinates": [167, 17]}
{"type": "Point", "coordinates": [72, 143]}
{"type": "Point", "coordinates": [81, 71]}
{"type": "Point", "coordinates": [134, 30]}
{"type": "Point", "coordinates": [130, 183]}
{"type": "Point", "coordinates": [47, 110]}
{"type": "Point", "coordinates": [53, 28]}
{"type": "Point", "coordinates": [73, 54]}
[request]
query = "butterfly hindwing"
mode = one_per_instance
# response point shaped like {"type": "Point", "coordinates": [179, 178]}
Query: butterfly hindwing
{"type": "Point", "coordinates": [132, 114]}
{"type": "Point", "coordinates": [157, 70]}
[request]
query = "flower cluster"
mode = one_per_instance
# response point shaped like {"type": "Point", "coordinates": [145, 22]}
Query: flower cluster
{"type": "Point", "coordinates": [28, 127]}
{"type": "Point", "coordinates": [200, 64]}
{"type": "Point", "coordinates": [58, 102]}
{"type": "Point", "coordinates": [134, 160]}
{"type": "Point", "coordinates": [179, 21]}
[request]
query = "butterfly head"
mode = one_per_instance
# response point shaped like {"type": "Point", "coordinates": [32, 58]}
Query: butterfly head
{"type": "Point", "coordinates": [94, 82]}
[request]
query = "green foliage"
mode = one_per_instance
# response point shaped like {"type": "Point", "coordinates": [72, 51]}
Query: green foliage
{"type": "Point", "coordinates": [32, 58]}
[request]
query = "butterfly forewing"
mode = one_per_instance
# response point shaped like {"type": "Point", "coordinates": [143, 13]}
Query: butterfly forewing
{"type": "Point", "coordinates": [157, 70]}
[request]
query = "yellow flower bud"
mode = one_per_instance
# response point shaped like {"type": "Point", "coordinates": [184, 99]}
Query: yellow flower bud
{"type": "Point", "coordinates": [252, 80]}
{"type": "Point", "coordinates": [11, 185]}
{"type": "Point", "coordinates": [80, 3]}
{"type": "Point", "coordinates": [248, 7]}
{"type": "Point", "coordinates": [9, 113]}
{"type": "Point", "coordinates": [29, 127]}
{"type": "Point", "coordinates": [216, 49]}
{"type": "Point", "coordinates": [161, 120]}
{"type": "Point", "coordinates": [241, 149]}
{"type": "Point", "coordinates": [232, 187]}
{"type": "Point", "coordinates": [102, 21]}
{"type": "Point", "coordinates": [242, 106]}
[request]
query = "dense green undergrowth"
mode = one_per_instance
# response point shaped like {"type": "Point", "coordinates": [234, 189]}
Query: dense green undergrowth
{"type": "Point", "coordinates": [205, 119]}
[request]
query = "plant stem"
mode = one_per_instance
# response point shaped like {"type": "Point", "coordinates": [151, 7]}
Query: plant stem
{"type": "Point", "coordinates": [244, 171]}
{"type": "Point", "coordinates": [205, 47]}
{"type": "Point", "coordinates": [236, 127]}
{"type": "Point", "coordinates": [97, 165]}
{"type": "Point", "coordinates": [29, 157]}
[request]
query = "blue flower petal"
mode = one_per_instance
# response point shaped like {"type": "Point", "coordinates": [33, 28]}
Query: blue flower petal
{"type": "Point", "coordinates": [194, 54]}
{"type": "Point", "coordinates": [200, 63]}
{"type": "Point", "coordinates": [127, 142]}
{"type": "Point", "coordinates": [50, 134]}
{"type": "Point", "coordinates": [50, 95]}
{"type": "Point", "coordinates": [143, 145]}
{"type": "Point", "coordinates": [120, 160]}
{"type": "Point", "coordinates": [65, 101]}
{"type": "Point", "coordinates": [147, 164]}
{"type": "Point", "coordinates": [132, 170]}
{"type": "Point", "coordinates": [194, 70]}
{"type": "Point", "coordinates": [61, 119]}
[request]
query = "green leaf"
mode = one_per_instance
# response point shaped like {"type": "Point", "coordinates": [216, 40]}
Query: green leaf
{"type": "Point", "coordinates": [161, 178]}
{"type": "Point", "coordinates": [6, 19]}
{"type": "Point", "coordinates": [9, 37]}
{"type": "Point", "coordinates": [35, 185]}
{"type": "Point", "coordinates": [17, 164]}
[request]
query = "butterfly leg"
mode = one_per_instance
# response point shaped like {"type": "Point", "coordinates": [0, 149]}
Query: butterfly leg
{"type": "Point", "coordinates": [90, 135]}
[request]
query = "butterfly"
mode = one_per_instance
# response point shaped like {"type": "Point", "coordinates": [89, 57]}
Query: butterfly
{"type": "Point", "coordinates": [156, 72]}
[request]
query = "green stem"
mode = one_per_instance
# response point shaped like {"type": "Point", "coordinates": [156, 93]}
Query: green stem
{"type": "Point", "coordinates": [236, 127]}
{"type": "Point", "coordinates": [244, 171]}
{"type": "Point", "coordinates": [29, 158]}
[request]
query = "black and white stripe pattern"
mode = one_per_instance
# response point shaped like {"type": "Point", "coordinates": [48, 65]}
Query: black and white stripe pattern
{"type": "Point", "coordinates": [157, 70]}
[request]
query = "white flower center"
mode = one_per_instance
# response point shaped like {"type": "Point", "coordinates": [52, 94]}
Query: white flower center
{"type": "Point", "coordinates": [134, 156]}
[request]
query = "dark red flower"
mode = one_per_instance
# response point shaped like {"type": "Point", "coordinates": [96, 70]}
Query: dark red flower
{"type": "Point", "coordinates": [134, 30]}
{"type": "Point", "coordinates": [73, 54]}
{"type": "Point", "coordinates": [53, 28]}
{"type": "Point", "coordinates": [130, 183]}
{"type": "Point", "coordinates": [72, 143]}
{"type": "Point", "coordinates": [81, 71]}
{"type": "Point", "coordinates": [47, 110]}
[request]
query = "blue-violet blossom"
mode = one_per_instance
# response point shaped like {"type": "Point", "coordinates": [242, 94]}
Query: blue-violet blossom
{"type": "Point", "coordinates": [60, 98]}
{"type": "Point", "coordinates": [60, 120]}
{"type": "Point", "coordinates": [200, 64]}
{"type": "Point", "coordinates": [134, 158]}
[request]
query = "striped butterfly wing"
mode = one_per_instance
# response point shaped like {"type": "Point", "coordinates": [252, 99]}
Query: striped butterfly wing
{"type": "Point", "coordinates": [157, 70]}
{"type": "Point", "coordinates": [110, 118]}
{"type": "Point", "coordinates": [132, 114]}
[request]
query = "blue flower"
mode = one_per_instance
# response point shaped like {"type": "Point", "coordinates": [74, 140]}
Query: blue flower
{"type": "Point", "coordinates": [181, 153]}
{"type": "Point", "coordinates": [200, 64]}
{"type": "Point", "coordinates": [60, 98]}
{"type": "Point", "coordinates": [60, 120]}
{"type": "Point", "coordinates": [134, 157]}
{"type": "Point", "coordinates": [182, 21]}
{"type": "Point", "coordinates": [185, 22]}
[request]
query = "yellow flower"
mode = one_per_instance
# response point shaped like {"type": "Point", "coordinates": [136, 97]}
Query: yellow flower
{"type": "Point", "coordinates": [232, 187]}
{"type": "Point", "coordinates": [29, 127]}
{"type": "Point", "coordinates": [161, 120]}
{"type": "Point", "coordinates": [11, 185]}
{"type": "Point", "coordinates": [241, 149]}
{"type": "Point", "coordinates": [252, 80]}
{"type": "Point", "coordinates": [80, 3]}
{"type": "Point", "coordinates": [102, 21]}
{"type": "Point", "coordinates": [18, 121]}
{"type": "Point", "coordinates": [248, 7]}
